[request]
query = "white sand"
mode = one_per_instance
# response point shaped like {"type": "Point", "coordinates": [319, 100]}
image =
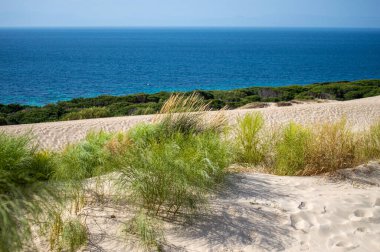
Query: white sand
{"type": "Point", "coordinates": [261, 212]}
{"type": "Point", "coordinates": [359, 113]}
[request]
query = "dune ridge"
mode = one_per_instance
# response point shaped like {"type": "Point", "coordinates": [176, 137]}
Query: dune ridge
{"type": "Point", "coordinates": [359, 113]}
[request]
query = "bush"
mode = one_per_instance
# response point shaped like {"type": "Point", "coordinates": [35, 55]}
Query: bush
{"type": "Point", "coordinates": [88, 113]}
{"type": "Point", "coordinates": [3, 120]}
{"type": "Point", "coordinates": [251, 144]}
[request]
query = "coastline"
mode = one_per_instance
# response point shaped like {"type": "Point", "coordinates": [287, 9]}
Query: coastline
{"type": "Point", "coordinates": [144, 104]}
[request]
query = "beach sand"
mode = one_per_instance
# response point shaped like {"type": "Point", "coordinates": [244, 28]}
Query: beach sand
{"type": "Point", "coordinates": [359, 113]}
{"type": "Point", "coordinates": [263, 212]}
{"type": "Point", "coordinates": [253, 211]}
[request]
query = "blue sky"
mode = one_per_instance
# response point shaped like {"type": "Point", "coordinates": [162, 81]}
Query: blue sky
{"type": "Point", "coordinates": [256, 13]}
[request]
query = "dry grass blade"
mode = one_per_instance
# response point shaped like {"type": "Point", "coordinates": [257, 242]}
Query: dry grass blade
{"type": "Point", "coordinates": [188, 114]}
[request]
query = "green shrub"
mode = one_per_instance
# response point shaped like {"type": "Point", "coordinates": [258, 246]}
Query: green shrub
{"type": "Point", "coordinates": [3, 119]}
{"type": "Point", "coordinates": [87, 113]}
{"type": "Point", "coordinates": [251, 143]}
{"type": "Point", "coordinates": [291, 150]}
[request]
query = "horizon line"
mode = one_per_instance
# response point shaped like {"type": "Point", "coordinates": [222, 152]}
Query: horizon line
{"type": "Point", "coordinates": [188, 27]}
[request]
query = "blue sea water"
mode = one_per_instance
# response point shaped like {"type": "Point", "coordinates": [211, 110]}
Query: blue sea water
{"type": "Point", "coordinates": [40, 66]}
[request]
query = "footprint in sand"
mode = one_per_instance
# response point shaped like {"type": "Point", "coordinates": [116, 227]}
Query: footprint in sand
{"type": "Point", "coordinates": [361, 213]}
{"type": "Point", "coordinates": [346, 244]}
{"type": "Point", "coordinates": [377, 203]}
{"type": "Point", "coordinates": [361, 230]}
{"type": "Point", "coordinates": [342, 243]}
{"type": "Point", "coordinates": [299, 224]}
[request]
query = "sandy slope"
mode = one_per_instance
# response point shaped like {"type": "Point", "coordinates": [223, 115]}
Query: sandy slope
{"type": "Point", "coordinates": [262, 212]}
{"type": "Point", "coordinates": [360, 113]}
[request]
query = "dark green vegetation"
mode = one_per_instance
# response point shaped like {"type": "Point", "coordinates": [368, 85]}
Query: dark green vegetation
{"type": "Point", "coordinates": [138, 104]}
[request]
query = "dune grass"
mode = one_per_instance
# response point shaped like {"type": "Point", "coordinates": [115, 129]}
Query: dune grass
{"type": "Point", "coordinates": [333, 146]}
{"type": "Point", "coordinates": [23, 193]}
{"type": "Point", "coordinates": [305, 150]}
{"type": "Point", "coordinates": [67, 235]}
{"type": "Point", "coordinates": [251, 145]}
{"type": "Point", "coordinates": [146, 229]}
{"type": "Point", "coordinates": [74, 235]}
{"type": "Point", "coordinates": [169, 173]}
{"type": "Point", "coordinates": [85, 159]}
{"type": "Point", "coordinates": [371, 143]}
{"type": "Point", "coordinates": [291, 150]}
{"type": "Point", "coordinates": [174, 163]}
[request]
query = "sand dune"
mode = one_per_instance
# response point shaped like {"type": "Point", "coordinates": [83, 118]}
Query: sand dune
{"type": "Point", "coordinates": [55, 135]}
{"type": "Point", "coordinates": [262, 212]}
{"type": "Point", "coordinates": [253, 212]}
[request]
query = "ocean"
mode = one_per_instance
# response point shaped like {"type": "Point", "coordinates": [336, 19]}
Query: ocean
{"type": "Point", "coordinates": [41, 66]}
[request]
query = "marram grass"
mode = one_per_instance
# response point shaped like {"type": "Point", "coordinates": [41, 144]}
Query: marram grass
{"type": "Point", "coordinates": [23, 190]}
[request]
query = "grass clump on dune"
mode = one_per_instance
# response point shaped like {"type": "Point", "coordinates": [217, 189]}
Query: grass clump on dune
{"type": "Point", "coordinates": [332, 147]}
{"type": "Point", "coordinates": [68, 235]}
{"type": "Point", "coordinates": [169, 173]}
{"type": "Point", "coordinates": [371, 143]}
{"type": "Point", "coordinates": [174, 163]}
{"type": "Point", "coordinates": [252, 144]}
{"type": "Point", "coordinates": [147, 229]}
{"type": "Point", "coordinates": [291, 150]}
{"type": "Point", "coordinates": [74, 235]}
{"type": "Point", "coordinates": [186, 114]}
{"type": "Point", "coordinates": [85, 159]}
{"type": "Point", "coordinates": [305, 150]}
{"type": "Point", "coordinates": [23, 192]}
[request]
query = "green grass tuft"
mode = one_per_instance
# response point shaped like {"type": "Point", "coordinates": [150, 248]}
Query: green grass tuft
{"type": "Point", "coordinates": [169, 173]}
{"type": "Point", "coordinates": [291, 150]}
{"type": "Point", "coordinates": [251, 143]}
{"type": "Point", "coordinates": [22, 193]}
{"type": "Point", "coordinates": [85, 159]}
{"type": "Point", "coordinates": [74, 235]}
{"type": "Point", "coordinates": [147, 229]}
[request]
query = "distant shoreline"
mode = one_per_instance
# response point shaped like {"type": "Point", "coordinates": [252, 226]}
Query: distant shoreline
{"type": "Point", "coordinates": [143, 104]}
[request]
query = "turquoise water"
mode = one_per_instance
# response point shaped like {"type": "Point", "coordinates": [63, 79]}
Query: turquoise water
{"type": "Point", "coordinates": [40, 66]}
